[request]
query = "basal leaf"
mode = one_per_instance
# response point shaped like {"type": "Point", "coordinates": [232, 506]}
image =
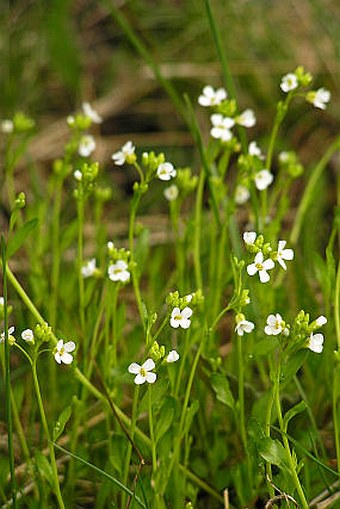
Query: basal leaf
{"type": "Point", "coordinates": [222, 390]}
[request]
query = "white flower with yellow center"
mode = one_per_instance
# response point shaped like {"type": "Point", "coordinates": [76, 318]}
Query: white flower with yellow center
{"type": "Point", "coordinates": [211, 97]}
{"type": "Point", "coordinates": [221, 127]}
{"type": "Point", "coordinates": [289, 82]}
{"type": "Point", "coordinates": [89, 268]}
{"type": "Point", "coordinates": [319, 98]}
{"type": "Point", "coordinates": [243, 326]}
{"type": "Point", "coordinates": [28, 335]}
{"type": "Point", "coordinates": [172, 356]}
{"type": "Point", "coordinates": [144, 372]}
{"type": "Point", "coordinates": [246, 119]}
{"type": "Point", "coordinates": [263, 179]}
{"type": "Point", "coordinates": [62, 352]}
{"type": "Point", "coordinates": [275, 325]}
{"type": "Point", "coordinates": [11, 338]}
{"type": "Point", "coordinates": [86, 146]}
{"type": "Point", "coordinates": [126, 154]}
{"type": "Point", "coordinates": [181, 318]}
{"type": "Point", "coordinates": [315, 342]}
{"type": "Point", "coordinates": [119, 271]}
{"type": "Point", "coordinates": [261, 266]}
{"type": "Point", "coordinates": [284, 254]}
{"type": "Point", "coordinates": [166, 171]}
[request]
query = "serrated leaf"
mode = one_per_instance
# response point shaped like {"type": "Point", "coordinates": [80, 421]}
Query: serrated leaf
{"type": "Point", "coordinates": [19, 236]}
{"type": "Point", "coordinates": [273, 452]}
{"type": "Point", "coordinates": [61, 422]}
{"type": "Point", "coordinates": [222, 390]}
{"type": "Point", "coordinates": [292, 412]}
{"type": "Point", "coordinates": [165, 418]}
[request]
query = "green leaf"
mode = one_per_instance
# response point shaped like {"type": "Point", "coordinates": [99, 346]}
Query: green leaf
{"type": "Point", "coordinates": [190, 413]}
{"type": "Point", "coordinates": [273, 452]}
{"type": "Point", "coordinates": [44, 468]}
{"type": "Point", "coordinates": [166, 416]}
{"type": "Point", "coordinates": [19, 236]}
{"type": "Point", "coordinates": [293, 364]}
{"type": "Point", "coordinates": [336, 383]}
{"type": "Point", "coordinates": [292, 412]}
{"type": "Point", "coordinates": [157, 392]}
{"type": "Point", "coordinates": [61, 422]}
{"type": "Point", "coordinates": [265, 346]}
{"type": "Point", "coordinates": [220, 385]}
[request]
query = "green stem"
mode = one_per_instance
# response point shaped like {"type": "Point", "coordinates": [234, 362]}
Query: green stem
{"type": "Point", "coordinates": [198, 230]}
{"type": "Point", "coordinates": [56, 250]}
{"type": "Point", "coordinates": [48, 437]}
{"type": "Point", "coordinates": [80, 211]}
{"type": "Point", "coordinates": [8, 388]}
{"type": "Point", "coordinates": [129, 445]}
{"type": "Point", "coordinates": [240, 362]}
{"type": "Point", "coordinates": [152, 432]}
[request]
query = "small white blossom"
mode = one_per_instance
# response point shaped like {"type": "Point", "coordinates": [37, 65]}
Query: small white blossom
{"type": "Point", "coordinates": [319, 98]}
{"type": "Point", "coordinates": [261, 266]}
{"type": "Point", "coordinates": [242, 194]}
{"type": "Point", "coordinates": [315, 342]}
{"type": "Point", "coordinates": [62, 351]}
{"type": "Point", "coordinates": [320, 321]}
{"type": "Point", "coordinates": [7, 126]}
{"type": "Point", "coordinates": [70, 120]}
{"type": "Point", "coordinates": [124, 154]}
{"type": "Point", "coordinates": [211, 97]}
{"type": "Point", "coordinates": [86, 146]}
{"type": "Point", "coordinates": [11, 339]}
{"type": "Point", "coordinates": [166, 171]}
{"type": "Point", "coordinates": [172, 356]}
{"type": "Point", "coordinates": [263, 179]}
{"type": "Point", "coordinates": [144, 372]}
{"type": "Point", "coordinates": [2, 301]}
{"type": "Point", "coordinates": [284, 156]}
{"type": "Point", "coordinates": [254, 150]}
{"type": "Point", "coordinates": [289, 82]}
{"type": "Point", "coordinates": [171, 192]}
{"type": "Point", "coordinates": [246, 119]}
{"type": "Point", "coordinates": [221, 127]}
{"type": "Point", "coordinates": [28, 335]}
{"type": "Point", "coordinates": [110, 245]}
{"type": "Point", "coordinates": [275, 325]}
{"type": "Point", "coordinates": [91, 113]}
{"type": "Point", "coordinates": [89, 268]}
{"type": "Point", "coordinates": [119, 271]}
{"type": "Point", "coordinates": [188, 298]}
{"type": "Point", "coordinates": [244, 326]}
{"type": "Point", "coordinates": [181, 318]}
{"type": "Point", "coordinates": [78, 175]}
{"type": "Point", "coordinates": [249, 237]}
{"type": "Point", "coordinates": [284, 254]}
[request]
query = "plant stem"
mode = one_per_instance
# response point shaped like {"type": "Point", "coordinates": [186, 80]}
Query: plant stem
{"type": "Point", "coordinates": [152, 432]}
{"type": "Point", "coordinates": [198, 230]}
{"type": "Point", "coordinates": [80, 212]}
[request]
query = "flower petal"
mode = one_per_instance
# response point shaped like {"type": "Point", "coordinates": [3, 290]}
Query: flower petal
{"type": "Point", "coordinates": [148, 365]}
{"type": "Point", "coordinates": [134, 368]}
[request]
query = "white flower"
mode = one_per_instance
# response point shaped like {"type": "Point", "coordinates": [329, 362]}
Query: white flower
{"type": "Point", "coordinates": [166, 171]}
{"type": "Point", "coordinates": [124, 154]}
{"type": "Point", "coordinates": [289, 82]}
{"type": "Point", "coordinates": [11, 339]}
{"type": "Point", "coordinates": [181, 318]}
{"type": "Point", "coordinates": [91, 113]}
{"type": "Point", "coordinates": [284, 156]}
{"type": "Point", "coordinates": [275, 325]}
{"type": "Point", "coordinates": [320, 321]}
{"type": "Point", "coordinates": [261, 266]}
{"type": "Point", "coordinates": [221, 127]}
{"type": "Point", "coordinates": [249, 237]}
{"type": "Point", "coordinates": [254, 150]}
{"type": "Point", "coordinates": [244, 326]}
{"type": "Point", "coordinates": [284, 254]}
{"type": "Point", "coordinates": [246, 119]}
{"type": "Point", "coordinates": [27, 335]}
{"type": "Point", "coordinates": [188, 298]}
{"type": "Point", "coordinates": [7, 126]}
{"type": "Point", "coordinates": [172, 356]}
{"type": "Point", "coordinates": [110, 245]}
{"type": "Point", "coordinates": [118, 271]}
{"type": "Point", "coordinates": [78, 175]}
{"type": "Point", "coordinates": [263, 179]}
{"type": "Point", "coordinates": [2, 301]}
{"type": "Point", "coordinates": [319, 98]}
{"type": "Point", "coordinates": [171, 192]}
{"type": "Point", "coordinates": [315, 342]}
{"type": "Point", "coordinates": [143, 372]}
{"type": "Point", "coordinates": [89, 268]}
{"type": "Point", "coordinates": [242, 194]}
{"type": "Point", "coordinates": [86, 146]}
{"type": "Point", "coordinates": [211, 97]}
{"type": "Point", "coordinates": [62, 352]}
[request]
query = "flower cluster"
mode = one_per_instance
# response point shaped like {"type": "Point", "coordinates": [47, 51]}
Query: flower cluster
{"type": "Point", "coordinates": [299, 79]}
{"type": "Point", "coordinates": [144, 373]}
{"type": "Point", "coordinates": [265, 255]}
{"type": "Point", "coordinates": [85, 177]}
{"type": "Point", "coordinates": [118, 268]}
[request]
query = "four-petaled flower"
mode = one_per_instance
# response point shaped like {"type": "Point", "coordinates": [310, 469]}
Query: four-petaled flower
{"type": "Point", "coordinates": [254, 150]}
{"type": "Point", "coordinates": [320, 321]}
{"type": "Point", "coordinates": [62, 351]}
{"type": "Point", "coordinates": [11, 339]}
{"type": "Point", "coordinates": [28, 335]}
{"type": "Point", "coordinates": [221, 127]}
{"type": "Point", "coordinates": [127, 153]}
{"type": "Point", "coordinates": [91, 113]}
{"type": "Point", "coordinates": [246, 119]}
{"type": "Point", "coordinates": [89, 268]}
{"type": "Point", "coordinates": [315, 342]}
{"type": "Point", "coordinates": [171, 192]}
{"type": "Point", "coordinates": [181, 318]}
{"type": "Point", "coordinates": [249, 238]}
{"type": "Point", "coordinates": [263, 179]}
{"type": "Point", "coordinates": [284, 254]}
{"type": "Point", "coordinates": [118, 271]}
{"type": "Point", "coordinates": [211, 97]}
{"type": "Point", "coordinates": [144, 372]}
{"type": "Point", "coordinates": [275, 325]}
{"type": "Point", "coordinates": [166, 171]}
{"type": "Point", "coordinates": [86, 146]}
{"type": "Point", "coordinates": [289, 82]}
{"type": "Point", "coordinates": [319, 98]}
{"type": "Point", "coordinates": [243, 326]}
{"type": "Point", "coordinates": [261, 266]}
{"type": "Point", "coordinates": [172, 356]}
